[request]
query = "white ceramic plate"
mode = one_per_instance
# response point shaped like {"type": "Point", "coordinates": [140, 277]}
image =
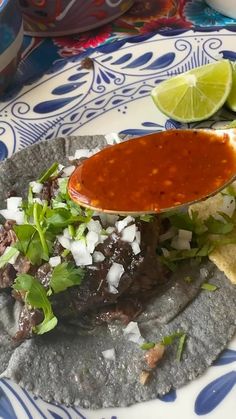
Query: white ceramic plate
{"type": "Point", "coordinates": [114, 96]}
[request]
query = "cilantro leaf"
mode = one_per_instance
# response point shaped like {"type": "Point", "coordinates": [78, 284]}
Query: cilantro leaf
{"type": "Point", "coordinates": [218, 227]}
{"type": "Point", "coordinates": [146, 217]}
{"type": "Point", "coordinates": [208, 287]}
{"type": "Point", "coordinates": [36, 297]}
{"type": "Point", "coordinates": [7, 256]}
{"type": "Point", "coordinates": [169, 339]}
{"type": "Point", "coordinates": [147, 345]}
{"type": "Point", "coordinates": [182, 220]}
{"type": "Point", "coordinates": [181, 345]}
{"type": "Point", "coordinates": [64, 276]}
{"type": "Point", "coordinates": [48, 173]}
{"type": "Point", "coordinates": [29, 243]}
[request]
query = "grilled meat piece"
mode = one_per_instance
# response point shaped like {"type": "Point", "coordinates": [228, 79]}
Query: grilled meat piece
{"type": "Point", "coordinates": [143, 275]}
{"type": "Point", "coordinates": [7, 276]}
{"type": "Point", "coordinates": [7, 236]}
{"type": "Point", "coordinates": [49, 190]}
{"type": "Point", "coordinates": [29, 318]}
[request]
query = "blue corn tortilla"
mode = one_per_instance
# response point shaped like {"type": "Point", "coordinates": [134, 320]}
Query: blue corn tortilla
{"type": "Point", "coordinates": [67, 365]}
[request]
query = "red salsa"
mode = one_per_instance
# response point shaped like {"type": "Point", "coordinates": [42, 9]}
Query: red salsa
{"type": "Point", "coordinates": [154, 172]}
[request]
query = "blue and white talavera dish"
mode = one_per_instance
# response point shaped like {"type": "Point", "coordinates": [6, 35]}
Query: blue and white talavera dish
{"type": "Point", "coordinates": [114, 97]}
{"type": "Point", "coordinates": [11, 37]}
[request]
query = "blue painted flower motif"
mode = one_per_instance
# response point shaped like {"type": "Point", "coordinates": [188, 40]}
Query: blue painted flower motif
{"type": "Point", "coordinates": [3, 151]}
{"type": "Point", "coordinates": [227, 356]}
{"type": "Point", "coordinates": [213, 394]}
{"type": "Point", "coordinates": [6, 409]}
{"type": "Point", "coordinates": [169, 397]}
{"type": "Point", "coordinates": [200, 14]}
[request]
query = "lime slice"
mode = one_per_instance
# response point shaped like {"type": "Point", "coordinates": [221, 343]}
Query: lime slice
{"type": "Point", "coordinates": [231, 101]}
{"type": "Point", "coordinates": [195, 95]}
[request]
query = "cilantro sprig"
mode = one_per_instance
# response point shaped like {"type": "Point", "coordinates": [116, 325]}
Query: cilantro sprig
{"type": "Point", "coordinates": [206, 235]}
{"type": "Point", "coordinates": [35, 296]}
{"type": "Point", "coordinates": [64, 276]}
{"type": "Point", "coordinates": [48, 173]}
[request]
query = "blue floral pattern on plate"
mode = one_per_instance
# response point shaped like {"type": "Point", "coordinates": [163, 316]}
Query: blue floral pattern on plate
{"type": "Point", "coordinates": [114, 96]}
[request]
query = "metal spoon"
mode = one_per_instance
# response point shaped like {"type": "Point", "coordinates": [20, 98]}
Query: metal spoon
{"type": "Point", "coordinates": [156, 173]}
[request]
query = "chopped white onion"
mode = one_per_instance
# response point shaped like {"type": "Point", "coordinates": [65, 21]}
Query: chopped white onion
{"type": "Point", "coordinates": [55, 261]}
{"type": "Point", "coordinates": [60, 167]}
{"type": "Point", "coordinates": [80, 253]}
{"type": "Point", "coordinates": [15, 215]}
{"type": "Point", "coordinates": [94, 225]}
{"type": "Point", "coordinates": [66, 233]}
{"type": "Point", "coordinates": [112, 138]}
{"type": "Point", "coordinates": [109, 354]}
{"type": "Point", "coordinates": [185, 235]}
{"type": "Point", "coordinates": [114, 274]}
{"type": "Point", "coordinates": [180, 244]}
{"type": "Point", "coordinates": [120, 225]}
{"type": "Point", "coordinates": [67, 171]}
{"type": "Point", "coordinates": [135, 247]}
{"type": "Point", "coordinates": [112, 289]}
{"type": "Point", "coordinates": [133, 334]}
{"type": "Point", "coordinates": [128, 233]}
{"type": "Point", "coordinates": [98, 256]}
{"type": "Point", "coordinates": [92, 239]}
{"type": "Point", "coordinates": [14, 203]}
{"type": "Point", "coordinates": [138, 236]}
{"type": "Point", "coordinates": [182, 240]}
{"type": "Point", "coordinates": [110, 230]}
{"type": "Point", "coordinates": [102, 238]}
{"type": "Point", "coordinates": [64, 241]}
{"type": "Point", "coordinates": [36, 187]}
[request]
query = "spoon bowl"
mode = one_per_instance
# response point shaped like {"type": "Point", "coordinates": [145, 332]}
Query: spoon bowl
{"type": "Point", "coordinates": [156, 173]}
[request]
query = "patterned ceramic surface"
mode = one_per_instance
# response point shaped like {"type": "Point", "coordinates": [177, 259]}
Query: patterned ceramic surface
{"type": "Point", "coordinates": [11, 37]}
{"type": "Point", "coordinates": [58, 17]}
{"type": "Point", "coordinates": [114, 96]}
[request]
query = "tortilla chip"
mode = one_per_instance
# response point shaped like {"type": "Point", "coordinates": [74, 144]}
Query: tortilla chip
{"type": "Point", "coordinates": [224, 257]}
{"type": "Point", "coordinates": [208, 207]}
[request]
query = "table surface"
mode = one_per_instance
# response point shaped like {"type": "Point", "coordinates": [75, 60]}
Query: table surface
{"type": "Point", "coordinates": [144, 17]}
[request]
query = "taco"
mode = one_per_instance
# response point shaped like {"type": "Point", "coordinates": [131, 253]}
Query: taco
{"type": "Point", "coordinates": [103, 310]}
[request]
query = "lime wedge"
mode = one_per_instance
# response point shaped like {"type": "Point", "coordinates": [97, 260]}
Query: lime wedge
{"type": "Point", "coordinates": [231, 101]}
{"type": "Point", "coordinates": [195, 95]}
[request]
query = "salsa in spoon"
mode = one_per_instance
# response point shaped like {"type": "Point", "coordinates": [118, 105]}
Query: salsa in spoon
{"type": "Point", "coordinates": [157, 172]}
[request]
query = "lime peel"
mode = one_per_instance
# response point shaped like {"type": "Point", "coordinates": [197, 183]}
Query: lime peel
{"type": "Point", "coordinates": [196, 94]}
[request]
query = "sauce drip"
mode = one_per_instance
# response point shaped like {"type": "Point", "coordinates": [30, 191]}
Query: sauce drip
{"type": "Point", "coordinates": [155, 172]}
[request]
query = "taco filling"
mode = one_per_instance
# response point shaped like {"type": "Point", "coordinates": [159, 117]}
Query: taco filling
{"type": "Point", "coordinates": [77, 261]}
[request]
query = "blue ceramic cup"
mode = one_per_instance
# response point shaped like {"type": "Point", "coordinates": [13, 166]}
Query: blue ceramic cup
{"type": "Point", "coordinates": [11, 37]}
